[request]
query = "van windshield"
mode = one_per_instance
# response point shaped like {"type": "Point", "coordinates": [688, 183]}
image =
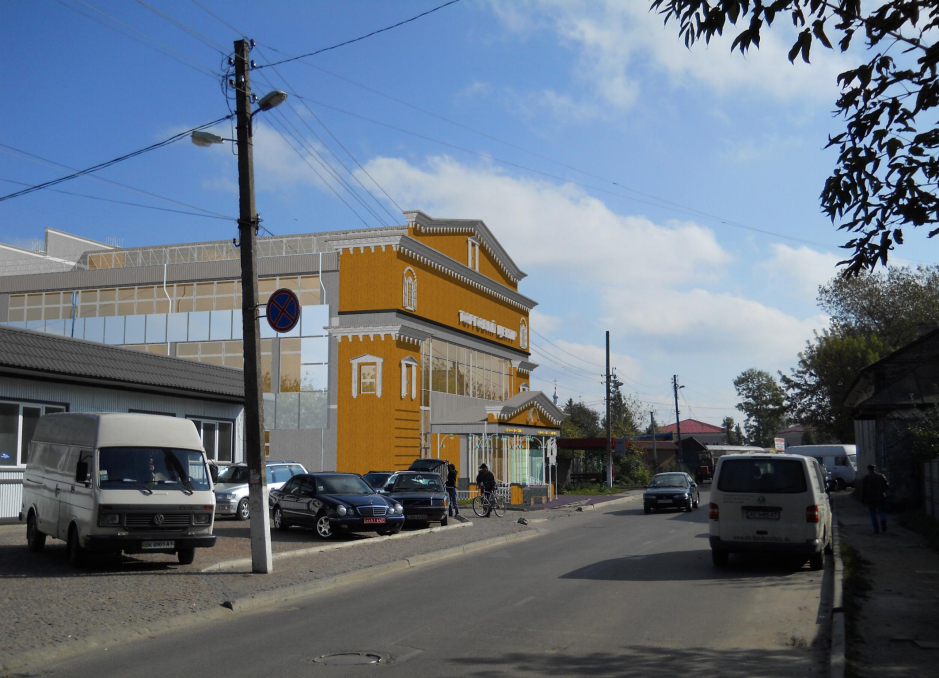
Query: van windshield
{"type": "Point", "coordinates": [148, 468]}
{"type": "Point", "coordinates": [763, 476]}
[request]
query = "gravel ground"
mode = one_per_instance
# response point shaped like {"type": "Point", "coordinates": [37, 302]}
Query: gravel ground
{"type": "Point", "coordinates": [45, 602]}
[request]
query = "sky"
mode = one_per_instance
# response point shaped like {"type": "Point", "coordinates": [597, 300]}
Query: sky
{"type": "Point", "coordinates": [666, 195]}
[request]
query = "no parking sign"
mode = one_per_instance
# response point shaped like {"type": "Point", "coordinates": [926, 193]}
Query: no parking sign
{"type": "Point", "coordinates": [283, 310]}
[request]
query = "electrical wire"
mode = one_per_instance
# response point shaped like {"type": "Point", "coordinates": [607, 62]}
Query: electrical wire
{"type": "Point", "coordinates": [208, 42]}
{"type": "Point", "coordinates": [586, 362]}
{"type": "Point", "coordinates": [363, 37]}
{"type": "Point", "coordinates": [558, 361]}
{"type": "Point", "coordinates": [216, 16]}
{"type": "Point", "coordinates": [39, 160]}
{"type": "Point", "coordinates": [114, 161]}
{"type": "Point", "coordinates": [124, 202]}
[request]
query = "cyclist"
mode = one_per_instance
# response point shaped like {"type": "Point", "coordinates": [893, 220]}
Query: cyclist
{"type": "Point", "coordinates": [486, 482]}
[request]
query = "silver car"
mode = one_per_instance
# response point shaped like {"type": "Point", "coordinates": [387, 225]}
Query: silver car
{"type": "Point", "coordinates": [231, 488]}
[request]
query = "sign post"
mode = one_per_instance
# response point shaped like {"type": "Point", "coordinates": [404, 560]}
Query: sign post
{"type": "Point", "coordinates": [780, 444]}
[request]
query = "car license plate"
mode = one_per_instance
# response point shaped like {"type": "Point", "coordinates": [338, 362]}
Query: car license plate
{"type": "Point", "coordinates": [762, 515]}
{"type": "Point", "coordinates": [418, 516]}
{"type": "Point", "coordinates": [664, 501]}
{"type": "Point", "coordinates": [373, 521]}
{"type": "Point", "coordinates": [158, 545]}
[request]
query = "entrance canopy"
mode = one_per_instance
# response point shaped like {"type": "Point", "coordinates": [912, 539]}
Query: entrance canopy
{"type": "Point", "coordinates": [529, 413]}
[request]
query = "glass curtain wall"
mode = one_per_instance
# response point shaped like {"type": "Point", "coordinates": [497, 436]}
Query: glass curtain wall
{"type": "Point", "coordinates": [450, 368]}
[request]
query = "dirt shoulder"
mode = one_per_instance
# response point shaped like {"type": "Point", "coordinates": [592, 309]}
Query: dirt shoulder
{"type": "Point", "coordinates": [893, 626]}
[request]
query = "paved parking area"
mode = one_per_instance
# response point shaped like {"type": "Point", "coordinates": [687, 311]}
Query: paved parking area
{"type": "Point", "coordinates": [45, 602]}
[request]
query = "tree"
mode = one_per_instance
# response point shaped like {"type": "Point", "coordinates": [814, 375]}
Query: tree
{"type": "Point", "coordinates": [887, 167]}
{"type": "Point", "coordinates": [764, 403]}
{"type": "Point", "coordinates": [730, 433]}
{"type": "Point", "coordinates": [738, 436]}
{"type": "Point", "coordinates": [891, 304]}
{"type": "Point", "coordinates": [583, 422]}
{"type": "Point", "coordinates": [827, 368]}
{"type": "Point", "coordinates": [623, 411]}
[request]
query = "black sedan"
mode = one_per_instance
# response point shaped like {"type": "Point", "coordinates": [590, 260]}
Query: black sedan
{"type": "Point", "coordinates": [421, 493]}
{"type": "Point", "coordinates": [334, 502]}
{"type": "Point", "coordinates": [377, 479]}
{"type": "Point", "coordinates": [671, 490]}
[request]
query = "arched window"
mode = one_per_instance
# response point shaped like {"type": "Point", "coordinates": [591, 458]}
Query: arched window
{"type": "Point", "coordinates": [523, 334]}
{"type": "Point", "coordinates": [409, 292]}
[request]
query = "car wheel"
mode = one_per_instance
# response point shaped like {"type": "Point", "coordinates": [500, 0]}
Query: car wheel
{"type": "Point", "coordinates": [817, 561]}
{"type": "Point", "coordinates": [323, 529]}
{"type": "Point", "coordinates": [279, 522]}
{"type": "Point", "coordinates": [244, 511]}
{"type": "Point", "coordinates": [186, 556]}
{"type": "Point", "coordinates": [697, 501]}
{"type": "Point", "coordinates": [77, 556]}
{"type": "Point", "coordinates": [840, 484]}
{"type": "Point", "coordinates": [443, 521]}
{"type": "Point", "coordinates": [35, 539]}
{"type": "Point", "coordinates": [647, 510]}
{"type": "Point", "coordinates": [719, 557]}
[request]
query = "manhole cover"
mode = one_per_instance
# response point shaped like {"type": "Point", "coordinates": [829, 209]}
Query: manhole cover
{"type": "Point", "coordinates": [345, 658]}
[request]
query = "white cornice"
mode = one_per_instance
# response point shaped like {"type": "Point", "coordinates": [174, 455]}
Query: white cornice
{"type": "Point", "coordinates": [406, 333]}
{"type": "Point", "coordinates": [524, 365]}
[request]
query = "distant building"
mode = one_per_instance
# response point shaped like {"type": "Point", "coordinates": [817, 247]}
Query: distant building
{"type": "Point", "coordinates": [702, 431]}
{"type": "Point", "coordinates": [792, 435]}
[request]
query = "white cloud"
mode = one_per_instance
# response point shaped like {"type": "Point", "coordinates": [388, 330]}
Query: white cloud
{"type": "Point", "coordinates": [542, 322]}
{"type": "Point", "coordinates": [475, 89]}
{"type": "Point", "coordinates": [556, 227]}
{"type": "Point", "coordinates": [620, 43]}
{"type": "Point", "coordinates": [801, 270]}
{"type": "Point", "coordinates": [744, 152]}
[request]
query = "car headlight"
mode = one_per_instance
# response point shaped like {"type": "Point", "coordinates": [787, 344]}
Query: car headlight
{"type": "Point", "coordinates": [399, 509]}
{"type": "Point", "coordinates": [223, 496]}
{"type": "Point", "coordinates": [342, 510]}
{"type": "Point", "coordinates": [391, 510]}
{"type": "Point", "coordinates": [109, 519]}
{"type": "Point", "coordinates": [201, 518]}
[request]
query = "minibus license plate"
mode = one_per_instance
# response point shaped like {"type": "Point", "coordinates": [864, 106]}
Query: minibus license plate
{"type": "Point", "coordinates": [418, 516]}
{"type": "Point", "coordinates": [371, 521]}
{"type": "Point", "coordinates": [762, 514]}
{"type": "Point", "coordinates": [158, 545]}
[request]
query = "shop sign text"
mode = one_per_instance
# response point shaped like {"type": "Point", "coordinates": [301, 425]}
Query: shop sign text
{"type": "Point", "coordinates": [488, 326]}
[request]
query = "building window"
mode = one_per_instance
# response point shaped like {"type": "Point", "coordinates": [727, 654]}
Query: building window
{"type": "Point", "coordinates": [366, 375]}
{"type": "Point", "coordinates": [410, 289]}
{"type": "Point", "coordinates": [472, 254]}
{"type": "Point", "coordinates": [17, 425]}
{"type": "Point", "coordinates": [523, 333]}
{"type": "Point", "coordinates": [522, 387]}
{"type": "Point", "coordinates": [409, 377]}
{"type": "Point", "coordinates": [218, 438]}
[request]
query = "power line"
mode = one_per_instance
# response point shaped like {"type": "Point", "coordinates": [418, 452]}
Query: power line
{"type": "Point", "coordinates": [194, 33]}
{"type": "Point", "coordinates": [586, 362]}
{"type": "Point", "coordinates": [363, 37]}
{"type": "Point", "coordinates": [114, 161]}
{"type": "Point", "coordinates": [560, 361]}
{"type": "Point", "coordinates": [39, 160]}
{"type": "Point", "coordinates": [216, 16]}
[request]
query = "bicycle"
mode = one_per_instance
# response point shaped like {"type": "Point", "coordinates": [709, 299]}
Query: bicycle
{"type": "Point", "coordinates": [489, 501]}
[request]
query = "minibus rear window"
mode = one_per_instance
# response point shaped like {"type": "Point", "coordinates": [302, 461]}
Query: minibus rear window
{"type": "Point", "coordinates": [762, 476]}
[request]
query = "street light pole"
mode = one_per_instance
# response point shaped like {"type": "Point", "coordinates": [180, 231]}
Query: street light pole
{"type": "Point", "coordinates": [261, 559]}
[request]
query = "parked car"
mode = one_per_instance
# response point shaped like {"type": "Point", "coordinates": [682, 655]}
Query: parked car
{"type": "Point", "coordinates": [421, 493]}
{"type": "Point", "coordinates": [335, 502]}
{"type": "Point", "coordinates": [841, 460]}
{"type": "Point", "coordinates": [769, 503]}
{"type": "Point", "coordinates": [438, 466]}
{"type": "Point", "coordinates": [671, 490]}
{"type": "Point", "coordinates": [377, 479]}
{"type": "Point", "coordinates": [231, 488]}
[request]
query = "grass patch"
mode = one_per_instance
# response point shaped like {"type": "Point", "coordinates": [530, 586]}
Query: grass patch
{"type": "Point", "coordinates": [923, 525]}
{"type": "Point", "coordinates": [594, 489]}
{"type": "Point", "coordinates": [856, 586]}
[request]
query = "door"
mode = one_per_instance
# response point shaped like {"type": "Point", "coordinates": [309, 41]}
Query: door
{"type": "Point", "coordinates": [64, 491]}
{"type": "Point", "coordinates": [288, 498]}
{"type": "Point", "coordinates": [306, 501]}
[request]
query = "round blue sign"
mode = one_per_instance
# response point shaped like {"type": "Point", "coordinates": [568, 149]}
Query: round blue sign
{"type": "Point", "coordinates": [283, 310]}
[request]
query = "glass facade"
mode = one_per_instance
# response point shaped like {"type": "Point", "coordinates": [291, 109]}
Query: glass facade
{"type": "Point", "coordinates": [450, 368]}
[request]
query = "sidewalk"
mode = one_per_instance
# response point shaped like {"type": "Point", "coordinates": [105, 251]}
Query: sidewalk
{"type": "Point", "coordinates": [581, 500]}
{"type": "Point", "coordinates": [895, 631]}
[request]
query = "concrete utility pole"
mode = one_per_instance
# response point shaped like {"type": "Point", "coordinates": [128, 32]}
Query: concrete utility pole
{"type": "Point", "coordinates": [655, 453]}
{"type": "Point", "coordinates": [609, 433]}
{"type": "Point", "coordinates": [261, 560]}
{"type": "Point", "coordinates": [681, 463]}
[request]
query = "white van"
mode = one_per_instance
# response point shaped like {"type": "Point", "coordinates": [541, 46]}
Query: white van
{"type": "Point", "coordinates": [841, 460]}
{"type": "Point", "coordinates": [769, 502]}
{"type": "Point", "coordinates": [132, 483]}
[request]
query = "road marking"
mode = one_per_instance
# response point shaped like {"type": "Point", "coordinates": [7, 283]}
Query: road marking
{"type": "Point", "coordinates": [524, 600]}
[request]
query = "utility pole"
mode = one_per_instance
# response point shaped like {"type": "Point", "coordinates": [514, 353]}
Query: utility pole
{"type": "Point", "coordinates": [261, 560]}
{"type": "Point", "coordinates": [609, 430]}
{"type": "Point", "coordinates": [681, 463]}
{"type": "Point", "coordinates": [655, 453]}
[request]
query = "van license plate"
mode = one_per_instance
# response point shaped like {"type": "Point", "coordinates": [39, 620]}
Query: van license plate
{"type": "Point", "coordinates": [158, 545]}
{"type": "Point", "coordinates": [762, 515]}
{"type": "Point", "coordinates": [372, 521]}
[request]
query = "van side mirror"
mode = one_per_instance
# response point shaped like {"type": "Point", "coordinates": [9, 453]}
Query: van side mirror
{"type": "Point", "coordinates": [213, 471]}
{"type": "Point", "coordinates": [81, 472]}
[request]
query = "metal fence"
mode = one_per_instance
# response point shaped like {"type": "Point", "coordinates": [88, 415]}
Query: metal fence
{"type": "Point", "coordinates": [503, 490]}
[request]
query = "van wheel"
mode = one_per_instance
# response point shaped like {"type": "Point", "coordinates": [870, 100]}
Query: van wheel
{"type": "Point", "coordinates": [840, 484]}
{"type": "Point", "coordinates": [186, 556]}
{"type": "Point", "coordinates": [244, 511]}
{"type": "Point", "coordinates": [817, 561]}
{"type": "Point", "coordinates": [719, 557]}
{"type": "Point", "coordinates": [35, 539]}
{"type": "Point", "coordinates": [77, 556]}
{"type": "Point", "coordinates": [829, 546]}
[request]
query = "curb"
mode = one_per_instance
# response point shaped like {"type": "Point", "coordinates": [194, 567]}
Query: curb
{"type": "Point", "coordinates": [837, 661]}
{"type": "Point", "coordinates": [49, 654]}
{"type": "Point", "coordinates": [297, 553]}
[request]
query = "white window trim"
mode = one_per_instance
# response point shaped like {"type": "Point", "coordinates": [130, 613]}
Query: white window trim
{"type": "Point", "coordinates": [409, 296]}
{"type": "Point", "coordinates": [409, 363]}
{"type": "Point", "coordinates": [41, 405]}
{"type": "Point", "coordinates": [522, 388]}
{"type": "Point", "coordinates": [366, 359]}
{"type": "Point", "coordinates": [472, 253]}
{"type": "Point", "coordinates": [523, 333]}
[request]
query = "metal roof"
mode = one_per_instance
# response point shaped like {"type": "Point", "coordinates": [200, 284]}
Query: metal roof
{"type": "Point", "coordinates": [26, 352]}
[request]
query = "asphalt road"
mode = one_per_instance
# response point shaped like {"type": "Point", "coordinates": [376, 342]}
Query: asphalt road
{"type": "Point", "coordinates": [612, 592]}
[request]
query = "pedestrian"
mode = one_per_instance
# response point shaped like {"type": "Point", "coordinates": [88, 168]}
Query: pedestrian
{"type": "Point", "coordinates": [874, 493]}
{"type": "Point", "coordinates": [486, 483]}
{"type": "Point", "coordinates": [454, 508]}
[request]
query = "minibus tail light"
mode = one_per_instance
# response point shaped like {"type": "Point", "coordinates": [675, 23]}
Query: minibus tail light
{"type": "Point", "coordinates": [713, 511]}
{"type": "Point", "coordinates": [811, 514]}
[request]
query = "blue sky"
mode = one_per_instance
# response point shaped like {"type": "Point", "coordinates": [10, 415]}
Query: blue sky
{"type": "Point", "coordinates": [640, 158]}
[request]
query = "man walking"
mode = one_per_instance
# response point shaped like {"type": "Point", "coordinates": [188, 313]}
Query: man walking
{"type": "Point", "coordinates": [874, 493]}
{"type": "Point", "coordinates": [454, 508]}
{"type": "Point", "coordinates": [486, 483]}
